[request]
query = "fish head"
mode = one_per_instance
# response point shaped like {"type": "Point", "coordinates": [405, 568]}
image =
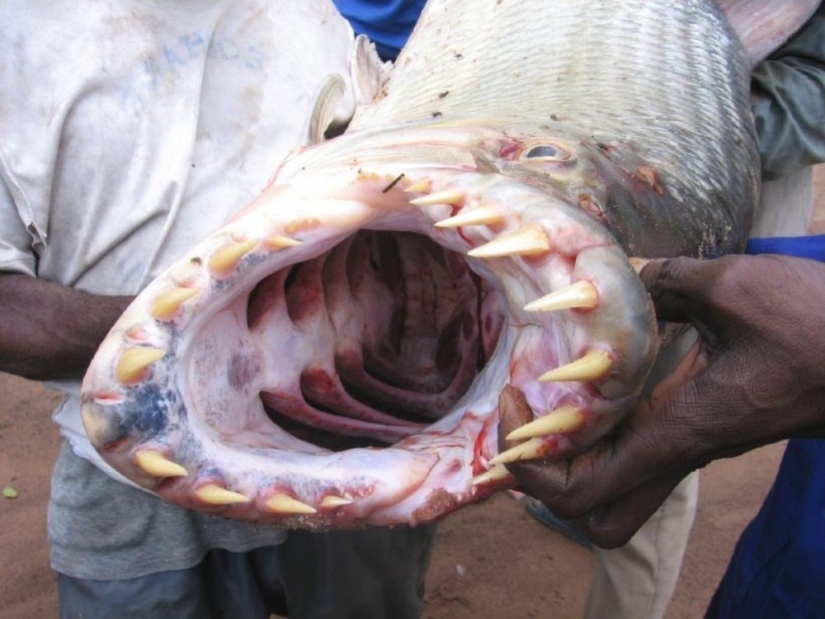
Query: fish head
{"type": "Point", "coordinates": [339, 352]}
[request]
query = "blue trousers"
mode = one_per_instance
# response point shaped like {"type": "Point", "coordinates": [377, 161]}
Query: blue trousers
{"type": "Point", "coordinates": [778, 568]}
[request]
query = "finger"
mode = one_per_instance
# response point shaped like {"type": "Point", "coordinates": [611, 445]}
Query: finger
{"type": "Point", "coordinates": [514, 412]}
{"type": "Point", "coordinates": [668, 391]}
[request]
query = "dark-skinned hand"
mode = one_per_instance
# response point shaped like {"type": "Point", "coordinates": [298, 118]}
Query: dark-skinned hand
{"type": "Point", "coordinates": [756, 375]}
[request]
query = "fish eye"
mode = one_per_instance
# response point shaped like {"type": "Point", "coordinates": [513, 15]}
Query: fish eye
{"type": "Point", "coordinates": [542, 151]}
{"type": "Point", "coordinates": [546, 152]}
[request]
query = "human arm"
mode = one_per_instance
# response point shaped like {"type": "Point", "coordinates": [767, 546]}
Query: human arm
{"type": "Point", "coordinates": [49, 331]}
{"type": "Point", "coordinates": [756, 376]}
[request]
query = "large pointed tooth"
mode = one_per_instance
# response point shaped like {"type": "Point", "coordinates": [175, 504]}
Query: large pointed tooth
{"type": "Point", "coordinates": [331, 502]}
{"type": "Point", "coordinates": [157, 465]}
{"type": "Point", "coordinates": [168, 303]}
{"type": "Point", "coordinates": [450, 196]}
{"type": "Point", "coordinates": [481, 216]}
{"type": "Point", "coordinates": [134, 361]}
{"type": "Point", "coordinates": [279, 242]}
{"type": "Point", "coordinates": [285, 504]}
{"type": "Point", "coordinates": [581, 295]}
{"type": "Point", "coordinates": [498, 472]}
{"type": "Point", "coordinates": [562, 420]}
{"type": "Point", "coordinates": [638, 263]}
{"type": "Point", "coordinates": [418, 186]}
{"type": "Point", "coordinates": [227, 257]}
{"type": "Point", "coordinates": [593, 366]}
{"type": "Point", "coordinates": [213, 494]}
{"type": "Point", "coordinates": [529, 450]}
{"type": "Point", "coordinates": [530, 240]}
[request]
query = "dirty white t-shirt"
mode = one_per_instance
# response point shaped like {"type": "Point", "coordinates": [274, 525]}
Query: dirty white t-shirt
{"type": "Point", "coordinates": [128, 131]}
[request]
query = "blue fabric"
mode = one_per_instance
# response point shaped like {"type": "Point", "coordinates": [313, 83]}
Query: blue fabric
{"type": "Point", "coordinates": [812, 247]}
{"type": "Point", "coordinates": [778, 568]}
{"type": "Point", "coordinates": [387, 23]}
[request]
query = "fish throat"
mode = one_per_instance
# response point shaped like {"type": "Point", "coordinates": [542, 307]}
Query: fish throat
{"type": "Point", "coordinates": [407, 330]}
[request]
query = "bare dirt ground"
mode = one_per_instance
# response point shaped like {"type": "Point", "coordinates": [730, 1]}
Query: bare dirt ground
{"type": "Point", "coordinates": [492, 561]}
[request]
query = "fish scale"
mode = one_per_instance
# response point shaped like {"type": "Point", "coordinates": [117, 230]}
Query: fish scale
{"type": "Point", "coordinates": [638, 85]}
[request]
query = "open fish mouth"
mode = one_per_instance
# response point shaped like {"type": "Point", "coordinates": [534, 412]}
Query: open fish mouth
{"type": "Point", "coordinates": [335, 354]}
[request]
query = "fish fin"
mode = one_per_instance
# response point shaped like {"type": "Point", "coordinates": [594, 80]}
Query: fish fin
{"type": "Point", "coordinates": [330, 97]}
{"type": "Point", "coordinates": [368, 71]}
{"type": "Point", "coordinates": [765, 25]}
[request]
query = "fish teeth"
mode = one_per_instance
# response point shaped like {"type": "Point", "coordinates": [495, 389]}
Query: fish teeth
{"type": "Point", "coordinates": [560, 421]}
{"type": "Point", "coordinates": [156, 464]}
{"type": "Point", "coordinates": [532, 449]}
{"type": "Point", "coordinates": [593, 366]}
{"type": "Point", "coordinates": [284, 504]}
{"type": "Point", "coordinates": [280, 242]}
{"type": "Point", "coordinates": [448, 196]}
{"type": "Point", "coordinates": [134, 363]}
{"type": "Point", "coordinates": [226, 258]}
{"type": "Point", "coordinates": [481, 216]}
{"type": "Point", "coordinates": [581, 295]}
{"type": "Point", "coordinates": [530, 240]}
{"type": "Point", "coordinates": [421, 186]}
{"type": "Point", "coordinates": [213, 494]}
{"type": "Point", "coordinates": [167, 304]}
{"type": "Point", "coordinates": [331, 501]}
{"type": "Point", "coordinates": [497, 472]}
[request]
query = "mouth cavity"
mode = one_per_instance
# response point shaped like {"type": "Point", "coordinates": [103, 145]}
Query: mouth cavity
{"type": "Point", "coordinates": [408, 333]}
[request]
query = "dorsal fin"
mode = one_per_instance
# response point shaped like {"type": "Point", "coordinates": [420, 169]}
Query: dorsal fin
{"type": "Point", "coordinates": [764, 25]}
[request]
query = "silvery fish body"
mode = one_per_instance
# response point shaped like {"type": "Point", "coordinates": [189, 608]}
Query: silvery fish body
{"type": "Point", "coordinates": [338, 353]}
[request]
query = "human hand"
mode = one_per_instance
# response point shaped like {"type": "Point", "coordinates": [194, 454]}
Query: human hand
{"type": "Point", "coordinates": [756, 375]}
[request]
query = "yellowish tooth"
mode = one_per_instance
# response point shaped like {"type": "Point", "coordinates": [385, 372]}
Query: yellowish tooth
{"type": "Point", "coordinates": [638, 263]}
{"type": "Point", "coordinates": [529, 450]}
{"type": "Point", "coordinates": [561, 420]}
{"type": "Point", "coordinates": [331, 502]}
{"type": "Point", "coordinates": [498, 472]}
{"type": "Point", "coordinates": [418, 186]}
{"type": "Point", "coordinates": [450, 196]}
{"type": "Point", "coordinates": [593, 366]}
{"type": "Point", "coordinates": [481, 216]}
{"type": "Point", "coordinates": [581, 295]}
{"type": "Point", "coordinates": [531, 240]}
{"type": "Point", "coordinates": [225, 258]}
{"type": "Point", "coordinates": [157, 465]}
{"type": "Point", "coordinates": [213, 494]}
{"type": "Point", "coordinates": [285, 504]}
{"type": "Point", "coordinates": [279, 242]}
{"type": "Point", "coordinates": [168, 303]}
{"type": "Point", "coordinates": [133, 363]}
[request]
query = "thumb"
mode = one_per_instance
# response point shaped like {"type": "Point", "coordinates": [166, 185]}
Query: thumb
{"type": "Point", "coordinates": [676, 286]}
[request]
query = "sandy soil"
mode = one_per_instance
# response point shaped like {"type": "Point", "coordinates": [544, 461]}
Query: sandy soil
{"type": "Point", "coordinates": [492, 561]}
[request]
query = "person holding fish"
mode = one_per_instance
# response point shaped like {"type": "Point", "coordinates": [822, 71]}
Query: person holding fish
{"type": "Point", "coordinates": [754, 376]}
{"type": "Point", "coordinates": [637, 579]}
{"type": "Point", "coordinates": [127, 130]}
